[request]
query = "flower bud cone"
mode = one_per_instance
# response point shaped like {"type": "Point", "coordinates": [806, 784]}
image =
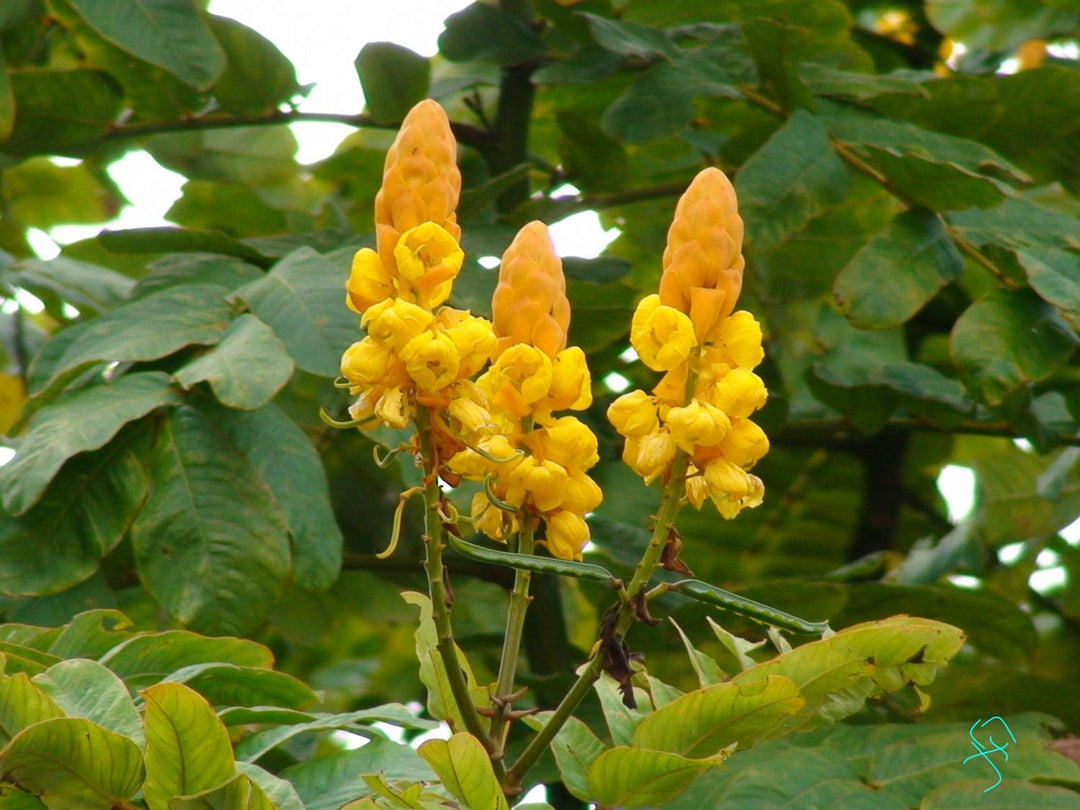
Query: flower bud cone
{"type": "Point", "coordinates": [530, 304]}
{"type": "Point", "coordinates": [421, 181]}
{"type": "Point", "coordinates": [703, 262]}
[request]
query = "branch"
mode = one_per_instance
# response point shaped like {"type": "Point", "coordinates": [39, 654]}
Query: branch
{"type": "Point", "coordinates": [465, 133]}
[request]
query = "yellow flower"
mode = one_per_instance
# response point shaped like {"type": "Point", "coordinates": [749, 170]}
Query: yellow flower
{"type": "Point", "coordinates": [738, 393]}
{"type": "Point", "coordinates": [469, 414]}
{"type": "Point", "coordinates": [697, 424]}
{"type": "Point", "coordinates": [519, 377]}
{"type": "Point", "coordinates": [492, 521]}
{"type": "Point", "coordinates": [726, 480]}
{"type": "Point", "coordinates": [368, 283]}
{"type": "Point", "coordinates": [661, 335]}
{"type": "Point", "coordinates": [473, 338]}
{"type": "Point", "coordinates": [649, 455]}
{"type": "Point", "coordinates": [567, 535]}
{"type": "Point", "coordinates": [566, 441]}
{"type": "Point", "coordinates": [395, 321]}
{"type": "Point", "coordinates": [697, 489]}
{"type": "Point", "coordinates": [740, 340]}
{"type": "Point", "coordinates": [431, 360]}
{"type": "Point", "coordinates": [393, 409]}
{"type": "Point", "coordinates": [633, 414]}
{"type": "Point", "coordinates": [582, 494]}
{"type": "Point", "coordinates": [745, 443]}
{"type": "Point", "coordinates": [541, 482]}
{"type": "Point", "coordinates": [428, 260]}
{"type": "Point", "coordinates": [367, 362]}
{"type": "Point", "coordinates": [571, 383]}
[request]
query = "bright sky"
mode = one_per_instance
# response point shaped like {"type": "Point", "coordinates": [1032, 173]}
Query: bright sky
{"type": "Point", "coordinates": [321, 38]}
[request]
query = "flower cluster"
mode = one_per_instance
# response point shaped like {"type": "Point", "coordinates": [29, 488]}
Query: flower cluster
{"type": "Point", "coordinates": [528, 459]}
{"type": "Point", "coordinates": [703, 404]}
{"type": "Point", "coordinates": [416, 350]}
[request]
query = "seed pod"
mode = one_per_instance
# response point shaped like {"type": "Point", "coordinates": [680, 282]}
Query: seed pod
{"type": "Point", "coordinates": [703, 262]}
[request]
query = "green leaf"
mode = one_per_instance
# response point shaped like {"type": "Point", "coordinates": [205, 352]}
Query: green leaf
{"type": "Point", "coordinates": [84, 420]}
{"type": "Point", "coordinates": [246, 369]}
{"type": "Point", "coordinates": [440, 702]}
{"type": "Point", "coordinates": [146, 329]}
{"type": "Point", "coordinates": [146, 658]}
{"type": "Point", "coordinates": [168, 33]}
{"type": "Point", "coordinates": [630, 39]}
{"type": "Point", "coordinates": [529, 562]}
{"type": "Point", "coordinates": [18, 658]}
{"type": "Point", "coordinates": [1055, 275]}
{"type": "Point", "coordinates": [229, 684]}
{"type": "Point", "coordinates": [12, 798]}
{"type": "Point", "coordinates": [280, 792]}
{"type": "Point", "coordinates": [215, 563]}
{"type": "Point", "coordinates": [328, 782]}
{"type": "Point", "coordinates": [485, 33]}
{"type": "Point", "coordinates": [180, 240]}
{"type": "Point", "coordinates": [302, 300]}
{"type": "Point", "coordinates": [23, 703]}
{"type": "Point", "coordinates": [898, 271]}
{"type": "Point", "coordinates": [1007, 339]}
{"type": "Point", "coordinates": [87, 689]}
{"type": "Point", "coordinates": [91, 634]}
{"type": "Point", "coordinates": [621, 719]}
{"type": "Point", "coordinates": [232, 208]}
{"type": "Point", "coordinates": [82, 517]}
{"type": "Point", "coordinates": [239, 793]}
{"type": "Point", "coordinates": [394, 80]}
{"type": "Point", "coordinates": [705, 722]}
{"type": "Point", "coordinates": [575, 748]}
{"type": "Point", "coordinates": [249, 156]}
{"type": "Point", "coordinates": [73, 764]}
{"type": "Point", "coordinates": [989, 622]}
{"type": "Point", "coordinates": [601, 313]}
{"type": "Point", "coordinates": [707, 670]}
{"type": "Point", "coordinates": [187, 747]}
{"type": "Point", "coordinates": [828, 81]}
{"type": "Point", "coordinates": [631, 777]}
{"type": "Point", "coordinates": [43, 195]}
{"type": "Point", "coordinates": [256, 745]}
{"type": "Point", "coordinates": [196, 268]}
{"type": "Point", "coordinates": [792, 178]}
{"type": "Point", "coordinates": [463, 766]}
{"type": "Point", "coordinates": [1011, 795]}
{"type": "Point", "coordinates": [998, 25]}
{"type": "Point", "coordinates": [86, 286]}
{"type": "Point", "coordinates": [588, 155]}
{"type": "Point", "coordinates": [257, 77]}
{"type": "Point", "coordinates": [61, 111]}
{"type": "Point", "coordinates": [288, 463]}
{"type": "Point", "coordinates": [837, 674]}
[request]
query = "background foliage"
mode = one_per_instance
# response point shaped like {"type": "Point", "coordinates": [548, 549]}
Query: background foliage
{"type": "Point", "coordinates": [913, 249]}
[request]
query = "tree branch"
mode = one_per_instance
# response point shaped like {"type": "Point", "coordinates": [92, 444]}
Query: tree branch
{"type": "Point", "coordinates": [465, 133]}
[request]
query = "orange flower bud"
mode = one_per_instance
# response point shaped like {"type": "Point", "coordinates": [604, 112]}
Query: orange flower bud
{"type": "Point", "coordinates": [530, 304]}
{"type": "Point", "coordinates": [421, 181]}
{"type": "Point", "coordinates": [703, 263]}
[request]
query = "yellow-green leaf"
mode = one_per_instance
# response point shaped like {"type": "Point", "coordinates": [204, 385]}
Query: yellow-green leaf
{"type": "Point", "coordinates": [465, 770]}
{"type": "Point", "coordinates": [633, 777]}
{"type": "Point", "coordinates": [187, 746]}
{"type": "Point", "coordinates": [706, 721]}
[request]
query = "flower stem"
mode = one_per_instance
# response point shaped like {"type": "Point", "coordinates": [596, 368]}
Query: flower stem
{"type": "Point", "coordinates": [437, 584]}
{"type": "Point", "coordinates": [515, 621]}
{"type": "Point", "coordinates": [665, 520]}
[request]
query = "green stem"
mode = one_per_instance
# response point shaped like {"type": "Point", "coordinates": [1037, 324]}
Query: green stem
{"type": "Point", "coordinates": [665, 520]}
{"type": "Point", "coordinates": [515, 621]}
{"type": "Point", "coordinates": [433, 564]}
